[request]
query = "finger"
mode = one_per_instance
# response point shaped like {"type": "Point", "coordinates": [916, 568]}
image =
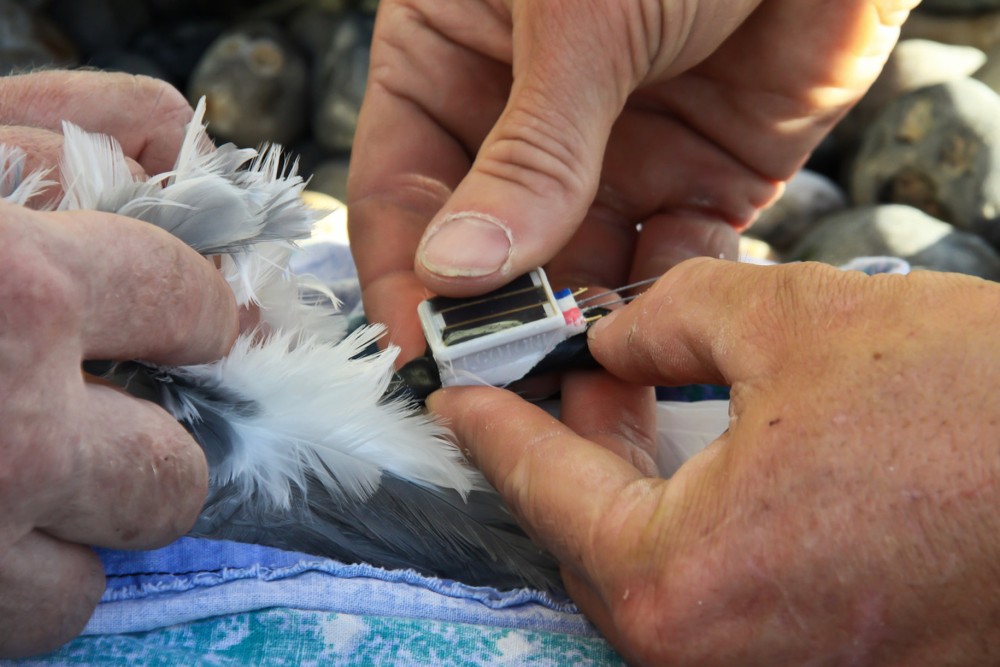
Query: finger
{"type": "Point", "coordinates": [48, 590]}
{"type": "Point", "coordinates": [138, 479]}
{"type": "Point", "coordinates": [537, 170]}
{"type": "Point", "coordinates": [619, 416]}
{"type": "Point", "coordinates": [598, 254]}
{"type": "Point", "coordinates": [539, 467]}
{"type": "Point", "coordinates": [43, 153]}
{"type": "Point", "coordinates": [710, 320]}
{"type": "Point", "coordinates": [392, 300]}
{"type": "Point", "coordinates": [147, 116]}
{"type": "Point", "coordinates": [413, 144]}
{"type": "Point", "coordinates": [131, 289]}
{"type": "Point", "coordinates": [666, 241]}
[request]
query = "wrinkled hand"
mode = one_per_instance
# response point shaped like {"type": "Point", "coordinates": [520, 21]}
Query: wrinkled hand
{"type": "Point", "coordinates": [82, 463]}
{"type": "Point", "coordinates": [147, 116]}
{"type": "Point", "coordinates": [848, 515]}
{"type": "Point", "coordinates": [497, 136]}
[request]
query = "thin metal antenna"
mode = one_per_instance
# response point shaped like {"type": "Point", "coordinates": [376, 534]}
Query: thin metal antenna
{"type": "Point", "coordinates": [641, 283]}
{"type": "Point", "coordinates": [624, 299]}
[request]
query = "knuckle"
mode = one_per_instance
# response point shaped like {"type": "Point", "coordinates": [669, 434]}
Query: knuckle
{"type": "Point", "coordinates": [167, 102]}
{"type": "Point", "coordinates": [168, 284]}
{"type": "Point", "coordinates": [39, 613]}
{"type": "Point", "coordinates": [535, 151]}
{"type": "Point", "coordinates": [38, 297]}
{"type": "Point", "coordinates": [161, 497]}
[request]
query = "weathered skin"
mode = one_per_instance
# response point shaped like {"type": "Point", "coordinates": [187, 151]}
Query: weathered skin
{"type": "Point", "coordinates": [848, 515]}
{"type": "Point", "coordinates": [557, 127]}
{"type": "Point", "coordinates": [82, 463]}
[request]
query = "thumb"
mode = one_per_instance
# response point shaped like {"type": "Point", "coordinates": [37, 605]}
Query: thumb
{"type": "Point", "coordinates": [537, 171]}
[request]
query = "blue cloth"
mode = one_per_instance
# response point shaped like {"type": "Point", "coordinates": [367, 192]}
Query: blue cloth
{"type": "Point", "coordinates": [202, 601]}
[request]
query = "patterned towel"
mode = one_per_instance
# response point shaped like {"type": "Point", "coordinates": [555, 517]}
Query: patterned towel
{"type": "Point", "coordinates": [206, 602]}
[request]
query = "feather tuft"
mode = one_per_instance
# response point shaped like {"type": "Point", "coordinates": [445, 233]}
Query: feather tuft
{"type": "Point", "coordinates": [322, 411]}
{"type": "Point", "coordinates": [16, 187]}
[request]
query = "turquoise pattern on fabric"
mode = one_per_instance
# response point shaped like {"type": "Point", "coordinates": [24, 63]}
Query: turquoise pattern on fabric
{"type": "Point", "coordinates": [292, 637]}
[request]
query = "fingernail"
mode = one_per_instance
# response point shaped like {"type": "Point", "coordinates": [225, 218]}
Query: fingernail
{"type": "Point", "coordinates": [467, 245]}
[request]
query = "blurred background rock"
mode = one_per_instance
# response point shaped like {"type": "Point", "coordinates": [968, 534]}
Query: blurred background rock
{"type": "Point", "coordinates": [286, 71]}
{"type": "Point", "coordinates": [912, 171]}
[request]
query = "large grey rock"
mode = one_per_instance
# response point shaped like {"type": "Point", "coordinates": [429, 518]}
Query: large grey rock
{"type": "Point", "coordinates": [255, 84]}
{"type": "Point", "coordinates": [937, 149]}
{"type": "Point", "coordinates": [808, 196]}
{"type": "Point", "coordinates": [898, 231]}
{"type": "Point", "coordinates": [913, 64]}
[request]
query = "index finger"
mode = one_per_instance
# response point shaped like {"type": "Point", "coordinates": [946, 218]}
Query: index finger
{"type": "Point", "coordinates": [147, 116]}
{"type": "Point", "coordinates": [413, 144]}
{"type": "Point", "coordinates": [560, 486]}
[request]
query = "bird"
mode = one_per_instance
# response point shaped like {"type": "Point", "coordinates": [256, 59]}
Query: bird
{"type": "Point", "coordinates": [309, 446]}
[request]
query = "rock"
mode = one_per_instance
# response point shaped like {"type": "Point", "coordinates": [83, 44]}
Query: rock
{"type": "Point", "coordinates": [898, 231]}
{"type": "Point", "coordinates": [29, 41]}
{"type": "Point", "coordinates": [807, 197]}
{"type": "Point", "coordinates": [989, 73]}
{"type": "Point", "coordinates": [979, 30]}
{"type": "Point", "coordinates": [936, 149]}
{"type": "Point", "coordinates": [914, 63]}
{"type": "Point", "coordinates": [255, 84]}
{"type": "Point", "coordinates": [340, 86]}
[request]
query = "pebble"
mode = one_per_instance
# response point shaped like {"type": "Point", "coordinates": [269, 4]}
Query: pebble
{"type": "Point", "coordinates": [937, 149]}
{"type": "Point", "coordinates": [254, 81]}
{"type": "Point", "coordinates": [808, 196]}
{"type": "Point", "coordinates": [898, 231]}
{"type": "Point", "coordinates": [913, 64]}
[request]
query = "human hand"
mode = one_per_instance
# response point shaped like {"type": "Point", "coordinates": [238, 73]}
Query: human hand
{"type": "Point", "coordinates": [147, 116]}
{"type": "Point", "coordinates": [554, 129]}
{"type": "Point", "coordinates": [82, 463]}
{"type": "Point", "coordinates": [848, 515]}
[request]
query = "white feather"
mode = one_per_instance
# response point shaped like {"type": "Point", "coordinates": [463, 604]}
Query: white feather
{"type": "Point", "coordinates": [321, 412]}
{"type": "Point", "coordinates": [15, 186]}
{"type": "Point", "coordinates": [217, 200]}
{"type": "Point", "coordinates": [95, 174]}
